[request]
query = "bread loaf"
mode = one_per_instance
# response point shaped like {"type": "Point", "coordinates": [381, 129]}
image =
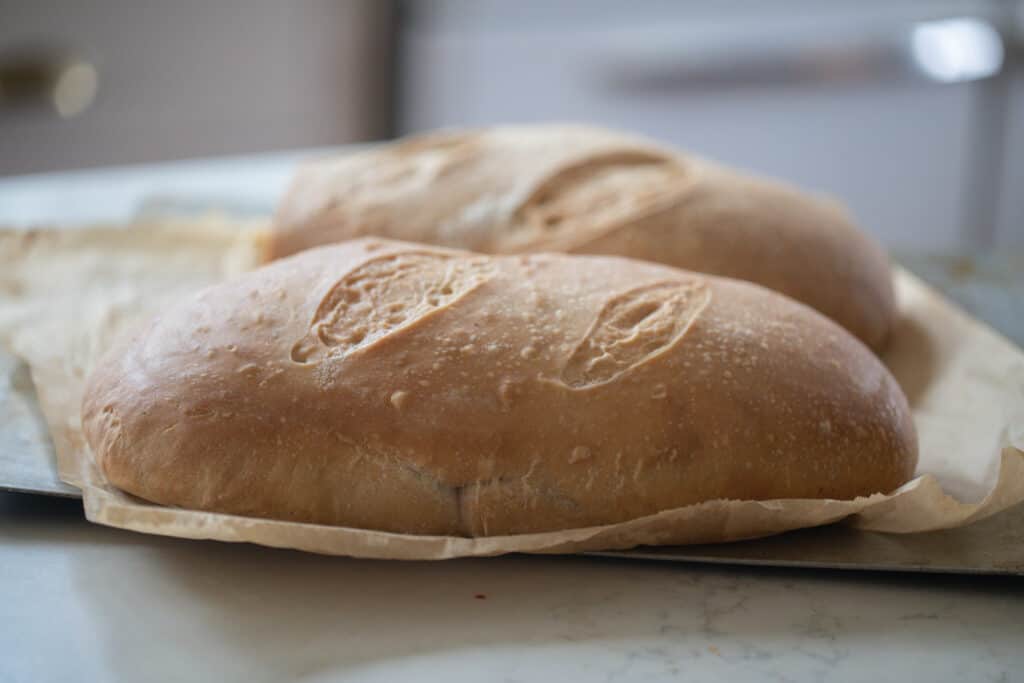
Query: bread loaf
{"type": "Point", "coordinates": [413, 389]}
{"type": "Point", "coordinates": [590, 190]}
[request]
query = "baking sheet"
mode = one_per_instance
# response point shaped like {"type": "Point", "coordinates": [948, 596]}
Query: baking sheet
{"type": "Point", "coordinates": [990, 546]}
{"type": "Point", "coordinates": [963, 380]}
{"type": "Point", "coordinates": [27, 461]}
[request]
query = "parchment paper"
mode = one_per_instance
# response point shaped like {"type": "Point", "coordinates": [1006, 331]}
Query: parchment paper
{"type": "Point", "coordinates": [65, 294]}
{"type": "Point", "coordinates": [964, 381]}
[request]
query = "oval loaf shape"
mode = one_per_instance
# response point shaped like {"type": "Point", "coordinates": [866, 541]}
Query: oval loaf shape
{"type": "Point", "coordinates": [412, 389]}
{"type": "Point", "coordinates": [584, 189]}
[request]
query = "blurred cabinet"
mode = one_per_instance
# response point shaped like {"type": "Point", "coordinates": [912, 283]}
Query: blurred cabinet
{"type": "Point", "coordinates": [882, 105]}
{"type": "Point", "coordinates": [187, 78]}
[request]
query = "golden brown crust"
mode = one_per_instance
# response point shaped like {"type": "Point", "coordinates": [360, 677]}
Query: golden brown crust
{"type": "Point", "coordinates": [582, 189]}
{"type": "Point", "coordinates": [406, 388]}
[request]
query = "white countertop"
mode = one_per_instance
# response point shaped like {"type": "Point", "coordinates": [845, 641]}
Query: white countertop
{"type": "Point", "coordinates": [86, 603]}
{"type": "Point", "coordinates": [248, 184]}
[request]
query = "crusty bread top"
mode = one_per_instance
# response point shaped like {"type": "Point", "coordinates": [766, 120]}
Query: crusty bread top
{"type": "Point", "coordinates": [585, 189]}
{"type": "Point", "coordinates": [407, 388]}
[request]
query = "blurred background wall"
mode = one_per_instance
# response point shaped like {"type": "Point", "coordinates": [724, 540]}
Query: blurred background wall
{"type": "Point", "coordinates": [99, 82]}
{"type": "Point", "coordinates": [910, 111]}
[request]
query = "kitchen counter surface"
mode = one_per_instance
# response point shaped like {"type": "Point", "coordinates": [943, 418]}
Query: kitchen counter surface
{"type": "Point", "coordinates": [86, 603]}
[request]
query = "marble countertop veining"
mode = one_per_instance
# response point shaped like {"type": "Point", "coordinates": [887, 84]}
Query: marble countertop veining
{"type": "Point", "coordinates": [87, 603]}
